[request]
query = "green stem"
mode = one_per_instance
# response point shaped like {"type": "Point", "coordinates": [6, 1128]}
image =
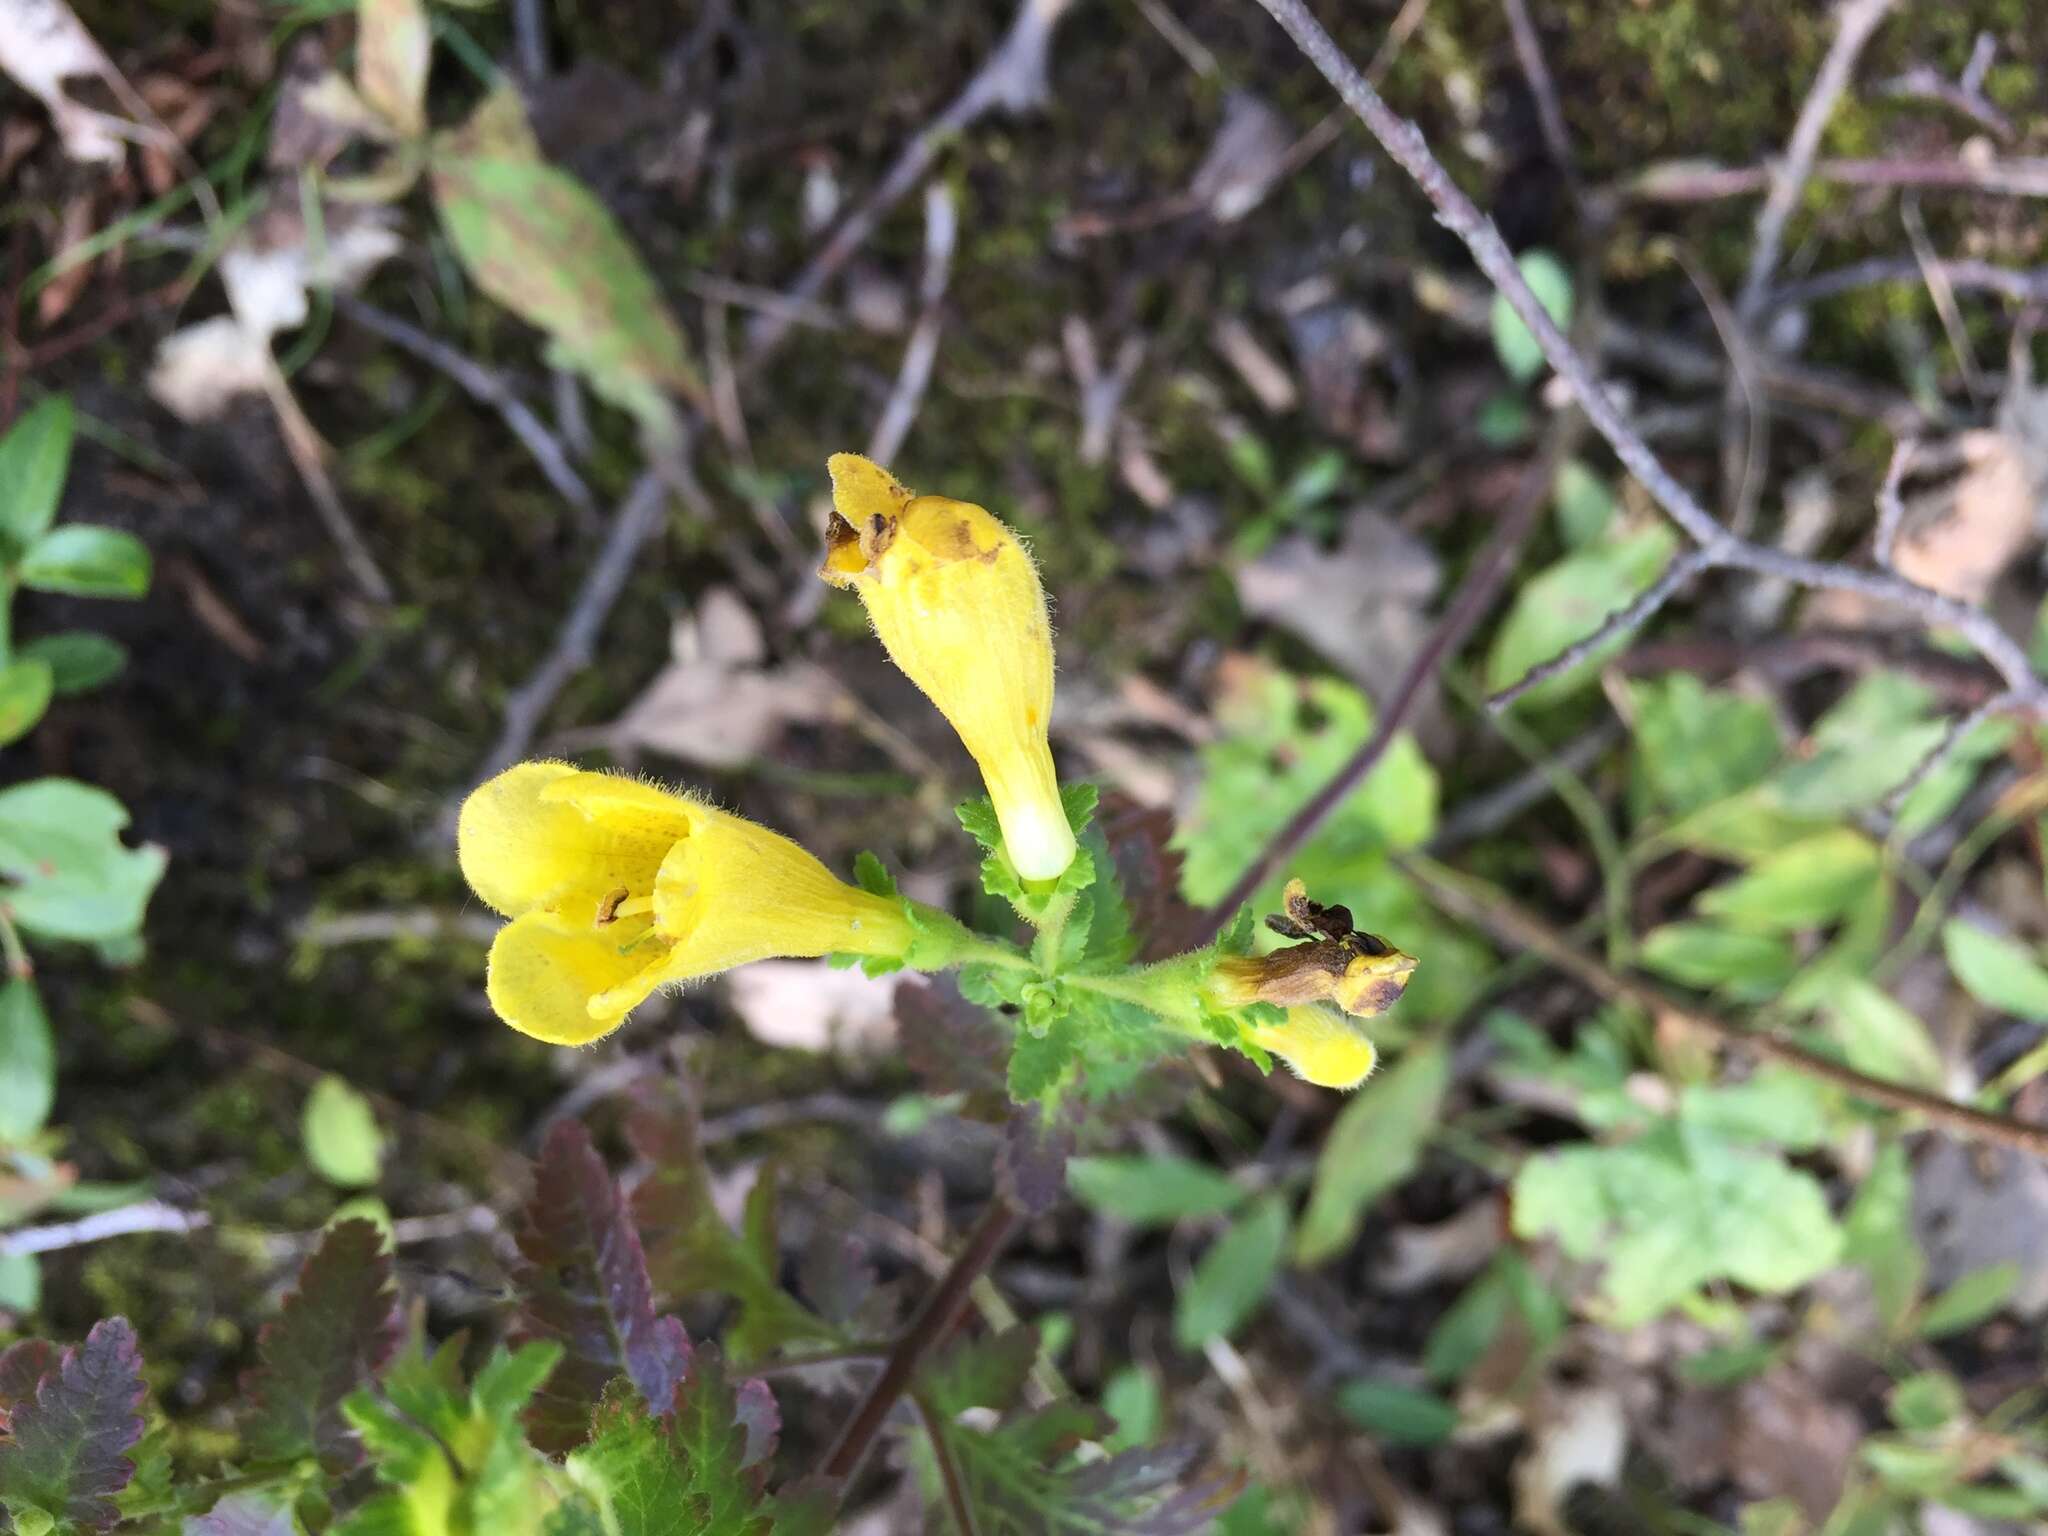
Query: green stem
{"type": "Point", "coordinates": [19, 966]}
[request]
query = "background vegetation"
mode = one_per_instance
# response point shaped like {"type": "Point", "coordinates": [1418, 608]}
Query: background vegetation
{"type": "Point", "coordinates": [395, 392]}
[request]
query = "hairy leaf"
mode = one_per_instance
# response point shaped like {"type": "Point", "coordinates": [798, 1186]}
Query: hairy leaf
{"type": "Point", "coordinates": [336, 1329]}
{"type": "Point", "coordinates": [1148, 872]}
{"type": "Point", "coordinates": [984, 1372]}
{"type": "Point", "coordinates": [951, 1043]}
{"type": "Point", "coordinates": [66, 1451]}
{"type": "Point", "coordinates": [584, 1284]}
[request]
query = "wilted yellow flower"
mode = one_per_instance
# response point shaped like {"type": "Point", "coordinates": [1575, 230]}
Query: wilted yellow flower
{"type": "Point", "coordinates": [615, 888]}
{"type": "Point", "coordinates": [956, 601]}
{"type": "Point", "coordinates": [1360, 972]}
{"type": "Point", "coordinates": [1322, 1047]}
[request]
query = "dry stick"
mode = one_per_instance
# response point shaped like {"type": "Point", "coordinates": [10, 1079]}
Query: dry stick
{"type": "Point", "coordinates": [1549, 114]}
{"type": "Point", "coordinates": [934, 1320]}
{"type": "Point", "coordinates": [637, 520]}
{"type": "Point", "coordinates": [1964, 95]}
{"type": "Point", "coordinates": [1676, 575]}
{"type": "Point", "coordinates": [941, 224]}
{"type": "Point", "coordinates": [1483, 905]}
{"type": "Point", "coordinates": [487, 387]}
{"type": "Point", "coordinates": [1013, 76]}
{"type": "Point", "coordinates": [121, 1221]}
{"type": "Point", "coordinates": [1746, 435]}
{"type": "Point", "coordinates": [2022, 286]}
{"type": "Point", "coordinates": [1475, 595]}
{"type": "Point", "coordinates": [1722, 549]}
{"type": "Point", "coordinates": [1685, 182]}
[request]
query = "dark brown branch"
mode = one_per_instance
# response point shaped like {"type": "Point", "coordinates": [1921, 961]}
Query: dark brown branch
{"type": "Point", "coordinates": [934, 1321]}
{"type": "Point", "coordinates": [1484, 906]}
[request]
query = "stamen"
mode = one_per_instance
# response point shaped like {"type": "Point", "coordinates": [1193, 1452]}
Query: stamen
{"type": "Point", "coordinates": [608, 910]}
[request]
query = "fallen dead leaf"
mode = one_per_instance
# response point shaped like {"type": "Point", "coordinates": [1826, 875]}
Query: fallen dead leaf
{"type": "Point", "coordinates": [1580, 1437]}
{"type": "Point", "coordinates": [1244, 160]}
{"type": "Point", "coordinates": [717, 702]}
{"type": "Point", "coordinates": [1792, 1442]}
{"type": "Point", "coordinates": [1419, 1255]}
{"type": "Point", "coordinates": [807, 1005]}
{"type": "Point", "coordinates": [42, 45]}
{"type": "Point", "coordinates": [1989, 521]}
{"type": "Point", "coordinates": [1974, 1209]}
{"type": "Point", "coordinates": [1360, 604]}
{"type": "Point", "coordinates": [62, 291]}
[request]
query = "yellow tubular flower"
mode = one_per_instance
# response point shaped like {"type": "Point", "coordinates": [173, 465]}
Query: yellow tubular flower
{"type": "Point", "coordinates": [1323, 1047]}
{"type": "Point", "coordinates": [1364, 976]}
{"type": "Point", "coordinates": [957, 604]}
{"type": "Point", "coordinates": [615, 888]}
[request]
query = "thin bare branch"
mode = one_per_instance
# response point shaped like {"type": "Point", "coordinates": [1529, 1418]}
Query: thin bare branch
{"type": "Point", "coordinates": [1891, 504]}
{"type": "Point", "coordinates": [1549, 112]}
{"type": "Point", "coordinates": [121, 1221]}
{"type": "Point", "coordinates": [957, 1502]}
{"type": "Point", "coordinates": [1854, 24]}
{"type": "Point", "coordinates": [941, 224]}
{"type": "Point", "coordinates": [1690, 182]}
{"type": "Point", "coordinates": [486, 387]}
{"type": "Point", "coordinates": [2022, 286]}
{"type": "Point", "coordinates": [1964, 94]}
{"type": "Point", "coordinates": [1959, 729]}
{"type": "Point", "coordinates": [1683, 568]}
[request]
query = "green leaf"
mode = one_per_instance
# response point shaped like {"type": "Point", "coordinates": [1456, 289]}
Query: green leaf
{"type": "Point", "coordinates": [1152, 1191]}
{"type": "Point", "coordinates": [1467, 1329]}
{"type": "Point", "coordinates": [28, 1061]}
{"type": "Point", "coordinates": [341, 1136]}
{"type": "Point", "coordinates": [1585, 506]}
{"type": "Point", "coordinates": [534, 238]}
{"type": "Point", "coordinates": [34, 456]}
{"type": "Point", "coordinates": [1997, 972]}
{"type": "Point", "coordinates": [1775, 1107]}
{"type": "Point", "coordinates": [1808, 885]}
{"type": "Point", "coordinates": [1133, 1399]}
{"type": "Point", "coordinates": [871, 875]}
{"type": "Point", "coordinates": [1753, 966]}
{"type": "Point", "coordinates": [1728, 1364]}
{"type": "Point", "coordinates": [79, 659]}
{"type": "Point", "coordinates": [1926, 1401]}
{"type": "Point", "coordinates": [69, 1435]}
{"type": "Point", "coordinates": [26, 684]}
{"type": "Point", "coordinates": [1696, 745]}
{"type": "Point", "coordinates": [1862, 749]}
{"type": "Point", "coordinates": [21, 1283]}
{"type": "Point", "coordinates": [1233, 1276]}
{"type": "Point", "coordinates": [1880, 1037]}
{"type": "Point", "coordinates": [1877, 1234]}
{"type": "Point", "coordinates": [81, 560]}
{"type": "Point", "coordinates": [1674, 1210]}
{"type": "Point", "coordinates": [1376, 1143]}
{"type": "Point", "coordinates": [60, 842]}
{"type": "Point", "coordinates": [336, 1329]}
{"type": "Point", "coordinates": [1565, 602]}
{"type": "Point", "coordinates": [1512, 340]}
{"type": "Point", "coordinates": [1968, 1302]}
{"type": "Point", "coordinates": [1041, 1061]}
{"type": "Point", "coordinates": [1396, 1414]}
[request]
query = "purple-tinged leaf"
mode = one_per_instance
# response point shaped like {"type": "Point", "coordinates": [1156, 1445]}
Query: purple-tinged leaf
{"type": "Point", "coordinates": [754, 1408]}
{"type": "Point", "coordinates": [22, 1369]}
{"type": "Point", "coordinates": [953, 1045]}
{"type": "Point", "coordinates": [1148, 868]}
{"type": "Point", "coordinates": [66, 1451]}
{"type": "Point", "coordinates": [244, 1514]}
{"type": "Point", "coordinates": [334, 1332]}
{"type": "Point", "coordinates": [584, 1284]}
{"type": "Point", "coordinates": [1032, 1168]}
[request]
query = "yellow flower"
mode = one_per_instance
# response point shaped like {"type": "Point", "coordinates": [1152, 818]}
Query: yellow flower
{"type": "Point", "coordinates": [615, 888]}
{"type": "Point", "coordinates": [1360, 972]}
{"type": "Point", "coordinates": [1323, 1047]}
{"type": "Point", "coordinates": [956, 602]}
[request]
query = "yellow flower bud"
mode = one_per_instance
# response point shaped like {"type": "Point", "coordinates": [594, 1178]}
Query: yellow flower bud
{"type": "Point", "coordinates": [957, 604]}
{"type": "Point", "coordinates": [615, 888]}
{"type": "Point", "coordinates": [1323, 1047]}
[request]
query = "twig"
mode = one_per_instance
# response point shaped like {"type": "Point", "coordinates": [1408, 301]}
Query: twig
{"type": "Point", "coordinates": [1964, 95]}
{"type": "Point", "coordinates": [1012, 77]}
{"type": "Point", "coordinates": [1959, 729]}
{"type": "Point", "coordinates": [941, 225]}
{"type": "Point", "coordinates": [2022, 287]}
{"type": "Point", "coordinates": [1891, 505]}
{"type": "Point", "coordinates": [1942, 292]}
{"type": "Point", "coordinates": [1722, 549]}
{"type": "Point", "coordinates": [1476, 902]}
{"type": "Point", "coordinates": [1549, 113]}
{"type": "Point", "coordinates": [957, 1501]}
{"type": "Point", "coordinates": [1482, 815]}
{"type": "Point", "coordinates": [1482, 584]}
{"type": "Point", "coordinates": [1690, 182]}
{"type": "Point", "coordinates": [308, 455]}
{"type": "Point", "coordinates": [934, 1321]}
{"type": "Point", "coordinates": [1962, 681]}
{"type": "Point", "coordinates": [1683, 568]}
{"type": "Point", "coordinates": [486, 387]}
{"type": "Point", "coordinates": [121, 1221]}
{"type": "Point", "coordinates": [1855, 23]}
{"type": "Point", "coordinates": [637, 520]}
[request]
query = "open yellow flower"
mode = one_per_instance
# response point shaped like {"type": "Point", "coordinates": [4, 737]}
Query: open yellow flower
{"type": "Point", "coordinates": [957, 604]}
{"type": "Point", "coordinates": [615, 888]}
{"type": "Point", "coordinates": [1323, 1047]}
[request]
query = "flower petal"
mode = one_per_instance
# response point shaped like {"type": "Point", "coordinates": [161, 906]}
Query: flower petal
{"type": "Point", "coordinates": [504, 832]}
{"type": "Point", "coordinates": [546, 974]}
{"type": "Point", "coordinates": [1321, 1045]}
